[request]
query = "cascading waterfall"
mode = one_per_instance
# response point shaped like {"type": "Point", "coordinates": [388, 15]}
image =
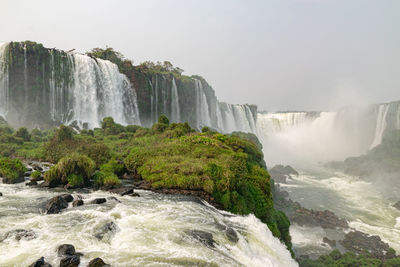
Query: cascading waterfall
{"type": "Point", "coordinates": [175, 109]}
{"type": "Point", "coordinates": [380, 125]}
{"type": "Point", "coordinates": [398, 117]}
{"type": "Point", "coordinates": [202, 111]}
{"type": "Point", "coordinates": [4, 94]}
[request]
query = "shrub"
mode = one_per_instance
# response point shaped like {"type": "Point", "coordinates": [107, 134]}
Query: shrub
{"type": "Point", "coordinates": [75, 180]}
{"type": "Point", "coordinates": [63, 133]}
{"type": "Point", "coordinates": [110, 127]}
{"type": "Point", "coordinates": [75, 163]}
{"type": "Point", "coordinates": [23, 133]}
{"type": "Point", "coordinates": [113, 166]}
{"type": "Point", "coordinates": [11, 169]}
{"type": "Point", "coordinates": [36, 174]}
{"type": "Point", "coordinates": [106, 179]}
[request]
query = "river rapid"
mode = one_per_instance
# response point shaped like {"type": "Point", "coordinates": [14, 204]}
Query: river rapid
{"type": "Point", "coordinates": [150, 230]}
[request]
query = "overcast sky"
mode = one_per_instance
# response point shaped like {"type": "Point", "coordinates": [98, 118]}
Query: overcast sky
{"type": "Point", "coordinates": [278, 54]}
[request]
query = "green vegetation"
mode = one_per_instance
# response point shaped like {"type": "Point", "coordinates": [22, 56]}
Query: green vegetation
{"type": "Point", "coordinates": [36, 174]}
{"type": "Point", "coordinates": [11, 169]}
{"type": "Point", "coordinates": [230, 168]}
{"type": "Point", "coordinates": [74, 169]}
{"type": "Point", "coordinates": [335, 259]}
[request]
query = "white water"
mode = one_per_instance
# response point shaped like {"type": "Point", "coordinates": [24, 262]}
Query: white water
{"type": "Point", "coordinates": [380, 125]}
{"type": "Point", "coordinates": [175, 109]}
{"type": "Point", "coordinates": [99, 91]}
{"type": "Point", "coordinates": [152, 230]}
{"type": "Point", "coordinates": [3, 80]}
{"type": "Point", "coordinates": [366, 206]}
{"type": "Point", "coordinates": [202, 111]}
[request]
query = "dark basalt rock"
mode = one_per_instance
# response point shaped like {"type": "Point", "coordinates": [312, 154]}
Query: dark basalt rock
{"type": "Point", "coordinates": [202, 236]}
{"type": "Point", "coordinates": [231, 235]}
{"type": "Point", "coordinates": [134, 195]}
{"type": "Point", "coordinates": [331, 243]}
{"type": "Point", "coordinates": [78, 202]}
{"type": "Point", "coordinates": [106, 231]}
{"type": "Point", "coordinates": [66, 250]}
{"type": "Point", "coordinates": [31, 183]}
{"type": "Point", "coordinates": [114, 199]}
{"type": "Point", "coordinates": [359, 242]}
{"type": "Point", "coordinates": [56, 204]}
{"type": "Point", "coordinates": [19, 234]}
{"type": "Point", "coordinates": [1, 194]}
{"type": "Point", "coordinates": [122, 191]}
{"type": "Point", "coordinates": [13, 181]}
{"type": "Point", "coordinates": [71, 261]}
{"type": "Point", "coordinates": [40, 263]}
{"type": "Point", "coordinates": [97, 262]}
{"type": "Point", "coordinates": [67, 197]}
{"type": "Point", "coordinates": [280, 173]}
{"type": "Point", "coordinates": [397, 205]}
{"type": "Point", "coordinates": [98, 201]}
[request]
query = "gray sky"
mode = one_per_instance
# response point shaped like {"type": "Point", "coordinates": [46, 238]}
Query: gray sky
{"type": "Point", "coordinates": [278, 54]}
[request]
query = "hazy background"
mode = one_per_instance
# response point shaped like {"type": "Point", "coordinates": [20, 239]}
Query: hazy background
{"type": "Point", "coordinates": [278, 54]}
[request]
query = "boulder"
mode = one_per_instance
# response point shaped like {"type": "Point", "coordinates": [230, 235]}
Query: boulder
{"type": "Point", "coordinates": [202, 236]}
{"type": "Point", "coordinates": [122, 191]}
{"type": "Point", "coordinates": [19, 234]}
{"type": "Point", "coordinates": [280, 173]}
{"type": "Point", "coordinates": [56, 204]}
{"type": "Point", "coordinates": [40, 263]}
{"type": "Point", "coordinates": [66, 250]}
{"type": "Point", "coordinates": [67, 197]}
{"type": "Point", "coordinates": [231, 235]}
{"type": "Point", "coordinates": [1, 194]}
{"type": "Point", "coordinates": [331, 243]}
{"type": "Point", "coordinates": [114, 199]}
{"type": "Point", "coordinates": [78, 202]}
{"type": "Point", "coordinates": [98, 201]}
{"type": "Point", "coordinates": [31, 183]}
{"type": "Point", "coordinates": [397, 205]}
{"type": "Point", "coordinates": [106, 231]}
{"type": "Point", "coordinates": [71, 261]}
{"type": "Point", "coordinates": [97, 262]}
{"type": "Point", "coordinates": [13, 181]}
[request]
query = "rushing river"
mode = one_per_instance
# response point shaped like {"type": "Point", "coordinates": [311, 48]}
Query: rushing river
{"type": "Point", "coordinates": [366, 205]}
{"type": "Point", "coordinates": [150, 230]}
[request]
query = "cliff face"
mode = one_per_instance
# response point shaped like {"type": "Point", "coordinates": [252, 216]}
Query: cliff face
{"type": "Point", "coordinates": [42, 87]}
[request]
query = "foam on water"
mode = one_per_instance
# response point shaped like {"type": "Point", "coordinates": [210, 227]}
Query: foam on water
{"type": "Point", "coordinates": [151, 230]}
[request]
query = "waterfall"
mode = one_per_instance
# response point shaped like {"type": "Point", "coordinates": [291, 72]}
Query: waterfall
{"type": "Point", "coordinates": [4, 94]}
{"type": "Point", "coordinates": [175, 109]}
{"type": "Point", "coordinates": [398, 117]}
{"type": "Point", "coordinates": [99, 91]}
{"type": "Point", "coordinates": [202, 111]}
{"type": "Point", "coordinates": [380, 125]}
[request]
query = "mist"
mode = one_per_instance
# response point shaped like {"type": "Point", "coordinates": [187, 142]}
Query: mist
{"type": "Point", "coordinates": [280, 55]}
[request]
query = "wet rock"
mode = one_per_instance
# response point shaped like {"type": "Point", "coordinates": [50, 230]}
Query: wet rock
{"type": "Point", "coordinates": [67, 197]}
{"type": "Point", "coordinates": [98, 201]}
{"type": "Point", "coordinates": [97, 262]}
{"type": "Point", "coordinates": [19, 234]}
{"type": "Point", "coordinates": [280, 173]}
{"type": "Point", "coordinates": [78, 202]}
{"type": "Point", "coordinates": [31, 183]}
{"type": "Point", "coordinates": [122, 191]}
{"type": "Point", "coordinates": [40, 263]}
{"type": "Point", "coordinates": [1, 194]}
{"type": "Point", "coordinates": [397, 205]}
{"type": "Point", "coordinates": [71, 261]}
{"type": "Point", "coordinates": [56, 204]}
{"type": "Point", "coordinates": [13, 181]}
{"type": "Point", "coordinates": [134, 195]}
{"type": "Point", "coordinates": [325, 219]}
{"type": "Point", "coordinates": [358, 242]}
{"type": "Point", "coordinates": [37, 167]}
{"type": "Point", "coordinates": [231, 235]}
{"type": "Point", "coordinates": [66, 250]}
{"type": "Point", "coordinates": [114, 199]}
{"type": "Point", "coordinates": [202, 236]}
{"type": "Point", "coordinates": [106, 231]}
{"type": "Point", "coordinates": [331, 243]}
